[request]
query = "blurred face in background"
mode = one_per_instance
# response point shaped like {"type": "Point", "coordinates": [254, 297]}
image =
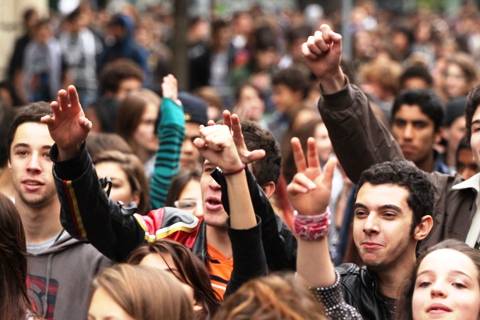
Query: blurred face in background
{"type": "Point", "coordinates": [144, 135]}
{"type": "Point", "coordinates": [456, 84]}
{"type": "Point", "coordinates": [324, 145]}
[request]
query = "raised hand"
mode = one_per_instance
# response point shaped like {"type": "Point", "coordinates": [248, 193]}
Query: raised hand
{"type": "Point", "coordinates": [67, 124]}
{"type": "Point", "coordinates": [170, 88]}
{"type": "Point", "coordinates": [310, 189]}
{"type": "Point", "coordinates": [323, 53]}
{"type": "Point", "coordinates": [217, 146]}
{"type": "Point", "coordinates": [233, 122]}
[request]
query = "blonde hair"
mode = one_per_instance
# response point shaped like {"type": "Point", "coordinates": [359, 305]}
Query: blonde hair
{"type": "Point", "coordinates": [145, 292]}
{"type": "Point", "coordinates": [272, 297]}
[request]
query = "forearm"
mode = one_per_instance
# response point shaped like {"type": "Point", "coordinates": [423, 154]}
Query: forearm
{"type": "Point", "coordinates": [242, 215]}
{"type": "Point", "coordinates": [170, 134]}
{"type": "Point", "coordinates": [314, 264]}
{"type": "Point", "coordinates": [358, 137]}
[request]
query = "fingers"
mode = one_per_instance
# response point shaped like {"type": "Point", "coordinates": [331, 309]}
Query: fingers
{"type": "Point", "coordinates": [312, 154]}
{"type": "Point", "coordinates": [85, 123]}
{"type": "Point", "coordinates": [298, 155]}
{"type": "Point", "coordinates": [48, 119]}
{"type": "Point", "coordinates": [237, 133]}
{"type": "Point", "coordinates": [62, 99]}
{"type": "Point", "coordinates": [55, 107]}
{"type": "Point", "coordinates": [328, 35]}
{"type": "Point", "coordinates": [227, 119]}
{"type": "Point", "coordinates": [328, 171]}
{"type": "Point", "coordinates": [300, 184]}
{"type": "Point", "coordinates": [199, 143]}
{"type": "Point", "coordinates": [73, 97]}
{"type": "Point", "coordinates": [256, 155]}
{"type": "Point", "coordinates": [321, 42]}
{"type": "Point", "coordinates": [216, 137]}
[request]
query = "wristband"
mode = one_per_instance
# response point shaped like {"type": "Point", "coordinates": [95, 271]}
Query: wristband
{"type": "Point", "coordinates": [311, 227]}
{"type": "Point", "coordinates": [234, 172]}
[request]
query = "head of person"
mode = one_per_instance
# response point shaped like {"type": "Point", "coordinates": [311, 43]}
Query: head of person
{"type": "Point", "coordinates": [30, 18]}
{"type": "Point", "coordinates": [14, 301]}
{"type": "Point", "coordinates": [174, 257]}
{"type": "Point", "coordinates": [221, 34]}
{"type": "Point", "coordinates": [392, 212]}
{"type": "Point", "coordinates": [120, 77]}
{"type": "Point", "coordinates": [120, 27]}
{"type": "Point", "coordinates": [314, 128]}
{"type": "Point", "coordinates": [136, 122]}
{"type": "Point", "coordinates": [445, 284]}
{"type": "Point", "coordinates": [472, 119]}
{"type": "Point", "coordinates": [379, 78]}
{"type": "Point", "coordinates": [461, 74]}
{"type": "Point", "coordinates": [455, 124]}
{"type": "Point", "coordinates": [129, 183]}
{"type": "Point", "coordinates": [272, 297]}
{"type": "Point", "coordinates": [295, 38]}
{"type": "Point", "coordinates": [464, 160]}
{"type": "Point", "coordinates": [28, 145]}
{"type": "Point", "coordinates": [266, 172]}
{"type": "Point", "coordinates": [416, 119]}
{"type": "Point", "coordinates": [249, 102]}
{"type": "Point", "coordinates": [98, 142]}
{"type": "Point", "coordinates": [138, 292]}
{"type": "Point", "coordinates": [42, 31]}
{"type": "Point", "coordinates": [185, 192]}
{"type": "Point", "coordinates": [213, 100]}
{"type": "Point", "coordinates": [6, 116]}
{"type": "Point", "coordinates": [416, 77]}
{"type": "Point", "coordinates": [290, 87]}
{"type": "Point", "coordinates": [195, 110]}
{"type": "Point", "coordinates": [73, 20]}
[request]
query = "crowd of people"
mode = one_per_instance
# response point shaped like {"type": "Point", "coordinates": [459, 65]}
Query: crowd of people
{"type": "Point", "coordinates": [282, 182]}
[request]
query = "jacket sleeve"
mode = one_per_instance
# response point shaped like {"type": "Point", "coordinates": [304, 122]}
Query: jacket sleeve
{"type": "Point", "coordinates": [358, 137]}
{"type": "Point", "coordinates": [88, 214]}
{"type": "Point", "coordinates": [280, 246]}
{"type": "Point", "coordinates": [248, 257]}
{"type": "Point", "coordinates": [170, 134]}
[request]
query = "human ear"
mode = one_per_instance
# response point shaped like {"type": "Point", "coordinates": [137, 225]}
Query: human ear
{"type": "Point", "coordinates": [422, 229]}
{"type": "Point", "coordinates": [269, 188]}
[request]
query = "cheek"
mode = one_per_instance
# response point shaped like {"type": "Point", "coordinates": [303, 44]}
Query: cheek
{"type": "Point", "coordinates": [419, 299]}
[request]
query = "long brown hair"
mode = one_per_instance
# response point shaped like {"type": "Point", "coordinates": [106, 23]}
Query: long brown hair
{"type": "Point", "coordinates": [14, 302]}
{"type": "Point", "coordinates": [272, 297]}
{"type": "Point", "coordinates": [405, 303]}
{"type": "Point", "coordinates": [191, 270]}
{"type": "Point", "coordinates": [145, 292]}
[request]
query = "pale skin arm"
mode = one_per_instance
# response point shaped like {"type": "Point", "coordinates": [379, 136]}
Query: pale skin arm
{"type": "Point", "coordinates": [67, 124]}
{"type": "Point", "coordinates": [309, 192]}
{"type": "Point", "coordinates": [323, 53]}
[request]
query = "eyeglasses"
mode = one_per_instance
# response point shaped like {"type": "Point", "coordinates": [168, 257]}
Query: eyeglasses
{"type": "Point", "coordinates": [186, 204]}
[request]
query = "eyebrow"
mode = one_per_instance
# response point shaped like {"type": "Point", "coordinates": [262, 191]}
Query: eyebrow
{"type": "Point", "coordinates": [26, 145]}
{"type": "Point", "coordinates": [477, 121]}
{"type": "Point", "coordinates": [450, 272]}
{"type": "Point", "coordinates": [383, 207]}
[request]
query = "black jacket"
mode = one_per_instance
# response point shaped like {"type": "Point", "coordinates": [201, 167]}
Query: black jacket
{"type": "Point", "coordinates": [360, 291]}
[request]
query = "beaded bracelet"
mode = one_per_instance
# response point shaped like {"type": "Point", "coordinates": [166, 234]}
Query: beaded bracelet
{"type": "Point", "coordinates": [311, 227]}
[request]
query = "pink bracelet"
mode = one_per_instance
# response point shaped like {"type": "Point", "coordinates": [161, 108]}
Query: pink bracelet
{"type": "Point", "coordinates": [311, 227]}
{"type": "Point", "coordinates": [234, 172]}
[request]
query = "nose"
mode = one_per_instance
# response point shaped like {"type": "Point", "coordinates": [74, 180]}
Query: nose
{"type": "Point", "coordinates": [408, 132]}
{"type": "Point", "coordinates": [212, 184]}
{"type": "Point", "coordinates": [371, 224]}
{"type": "Point", "coordinates": [33, 165]}
{"type": "Point", "coordinates": [187, 146]}
{"type": "Point", "coordinates": [438, 290]}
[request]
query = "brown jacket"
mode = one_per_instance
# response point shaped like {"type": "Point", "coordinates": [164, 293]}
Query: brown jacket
{"type": "Point", "coordinates": [360, 140]}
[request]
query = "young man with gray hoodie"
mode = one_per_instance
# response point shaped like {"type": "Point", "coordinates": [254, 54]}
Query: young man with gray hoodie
{"type": "Point", "coordinates": [60, 268]}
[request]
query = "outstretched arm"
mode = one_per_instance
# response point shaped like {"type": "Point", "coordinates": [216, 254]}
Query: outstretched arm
{"type": "Point", "coordinates": [170, 132]}
{"type": "Point", "coordinates": [309, 193]}
{"type": "Point", "coordinates": [358, 137]}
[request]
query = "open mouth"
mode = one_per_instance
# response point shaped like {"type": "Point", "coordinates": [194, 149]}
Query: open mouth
{"type": "Point", "coordinates": [438, 308]}
{"type": "Point", "coordinates": [213, 204]}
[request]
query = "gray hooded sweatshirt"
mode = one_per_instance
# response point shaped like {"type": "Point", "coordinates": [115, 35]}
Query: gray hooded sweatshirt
{"type": "Point", "coordinates": [59, 278]}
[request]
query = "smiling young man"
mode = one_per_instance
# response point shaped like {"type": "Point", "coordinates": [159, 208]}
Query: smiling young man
{"type": "Point", "coordinates": [391, 215]}
{"type": "Point", "coordinates": [60, 268]}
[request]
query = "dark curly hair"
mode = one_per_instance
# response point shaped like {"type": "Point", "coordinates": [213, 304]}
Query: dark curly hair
{"type": "Point", "coordinates": [428, 102]}
{"type": "Point", "coordinates": [473, 101]}
{"type": "Point", "coordinates": [405, 174]}
{"type": "Point", "coordinates": [267, 169]}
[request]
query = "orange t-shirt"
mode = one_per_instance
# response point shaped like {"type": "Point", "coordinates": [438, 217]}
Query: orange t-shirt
{"type": "Point", "coordinates": [220, 269]}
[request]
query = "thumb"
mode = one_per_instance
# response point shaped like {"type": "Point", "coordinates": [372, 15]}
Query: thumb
{"type": "Point", "coordinates": [255, 155]}
{"type": "Point", "coordinates": [328, 171]}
